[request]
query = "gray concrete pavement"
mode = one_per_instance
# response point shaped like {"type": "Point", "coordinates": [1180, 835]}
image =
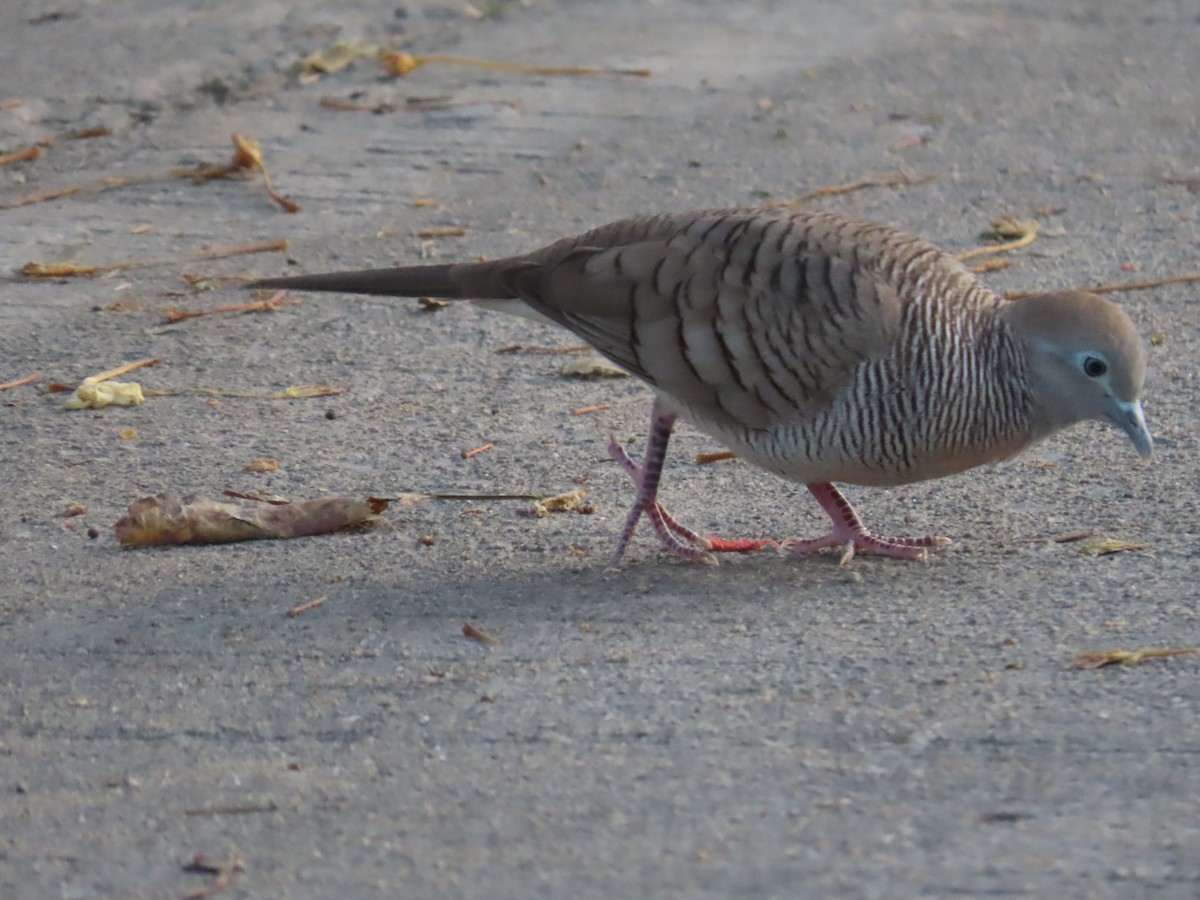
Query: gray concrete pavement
{"type": "Point", "coordinates": [767, 728]}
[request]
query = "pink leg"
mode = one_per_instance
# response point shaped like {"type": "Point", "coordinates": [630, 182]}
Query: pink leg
{"type": "Point", "coordinates": [646, 477]}
{"type": "Point", "coordinates": [851, 535]}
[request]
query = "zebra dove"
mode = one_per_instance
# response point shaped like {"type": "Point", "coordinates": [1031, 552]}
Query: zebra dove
{"type": "Point", "coordinates": [817, 346]}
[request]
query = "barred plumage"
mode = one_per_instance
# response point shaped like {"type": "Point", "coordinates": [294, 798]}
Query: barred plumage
{"type": "Point", "coordinates": [818, 346]}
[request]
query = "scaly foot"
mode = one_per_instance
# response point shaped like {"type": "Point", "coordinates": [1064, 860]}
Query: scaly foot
{"type": "Point", "coordinates": [852, 536]}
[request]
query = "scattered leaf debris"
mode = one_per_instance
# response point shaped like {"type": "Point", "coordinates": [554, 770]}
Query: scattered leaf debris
{"type": "Point", "coordinates": [478, 634]}
{"type": "Point", "coordinates": [247, 156]}
{"type": "Point", "coordinates": [398, 64]}
{"type": "Point", "coordinates": [164, 520]}
{"type": "Point", "coordinates": [1098, 659]}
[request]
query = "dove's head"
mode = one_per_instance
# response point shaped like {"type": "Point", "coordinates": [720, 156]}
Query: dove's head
{"type": "Point", "coordinates": [1085, 360]}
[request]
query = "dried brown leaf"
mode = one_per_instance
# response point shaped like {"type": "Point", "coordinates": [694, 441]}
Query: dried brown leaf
{"type": "Point", "coordinates": [571, 501]}
{"type": "Point", "coordinates": [166, 520]}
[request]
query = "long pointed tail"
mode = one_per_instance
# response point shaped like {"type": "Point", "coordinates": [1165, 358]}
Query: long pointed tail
{"type": "Point", "coordinates": [412, 281]}
{"type": "Point", "coordinates": [490, 280]}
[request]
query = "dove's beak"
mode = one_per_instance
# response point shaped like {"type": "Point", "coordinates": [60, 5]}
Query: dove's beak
{"type": "Point", "coordinates": [1130, 418]}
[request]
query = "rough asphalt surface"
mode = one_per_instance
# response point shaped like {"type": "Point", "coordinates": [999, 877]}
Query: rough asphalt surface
{"type": "Point", "coordinates": [768, 727]}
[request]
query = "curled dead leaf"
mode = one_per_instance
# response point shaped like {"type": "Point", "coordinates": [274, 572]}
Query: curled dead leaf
{"type": "Point", "coordinates": [95, 394]}
{"type": "Point", "coordinates": [164, 520]}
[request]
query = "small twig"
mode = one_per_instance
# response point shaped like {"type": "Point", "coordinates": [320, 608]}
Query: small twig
{"type": "Point", "coordinates": [1098, 659]}
{"type": "Point", "coordinates": [239, 809]}
{"type": "Point", "coordinates": [223, 870]}
{"type": "Point", "coordinates": [126, 368]}
{"type": "Point", "coordinates": [412, 105]}
{"type": "Point", "coordinates": [445, 231]}
{"type": "Point", "coordinates": [989, 265]}
{"type": "Point", "coordinates": [584, 410]}
{"type": "Point", "coordinates": [31, 153]}
{"type": "Point", "coordinates": [28, 379]}
{"type": "Point", "coordinates": [1028, 233]}
{"type": "Point", "coordinates": [1114, 288]}
{"type": "Point", "coordinates": [91, 187]}
{"type": "Point", "coordinates": [27, 155]}
{"type": "Point", "coordinates": [66, 270]}
{"type": "Point", "coordinates": [301, 608]}
{"type": "Point", "coordinates": [398, 64]}
{"type": "Point", "coordinates": [274, 303]}
{"type": "Point", "coordinates": [413, 499]}
{"type": "Point", "coordinates": [471, 454]}
{"type": "Point", "coordinates": [893, 180]}
{"type": "Point", "coordinates": [295, 392]}
{"type": "Point", "coordinates": [703, 459]}
{"type": "Point", "coordinates": [548, 351]}
{"type": "Point", "coordinates": [478, 634]}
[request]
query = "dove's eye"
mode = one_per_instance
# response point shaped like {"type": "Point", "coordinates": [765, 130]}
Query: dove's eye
{"type": "Point", "coordinates": [1094, 366]}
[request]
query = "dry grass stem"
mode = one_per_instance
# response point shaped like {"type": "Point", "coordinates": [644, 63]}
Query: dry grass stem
{"type": "Point", "coordinates": [28, 379]}
{"type": "Point", "coordinates": [471, 454]}
{"type": "Point", "coordinates": [398, 64]}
